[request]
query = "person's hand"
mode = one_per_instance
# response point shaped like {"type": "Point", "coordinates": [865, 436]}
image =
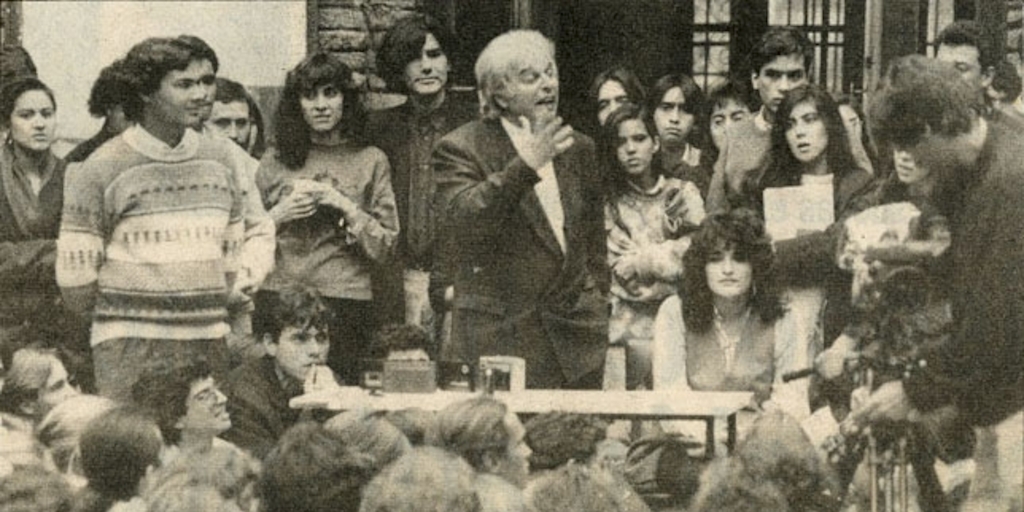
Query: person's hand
{"type": "Point", "coordinates": [831, 363]}
{"type": "Point", "coordinates": [330, 196]}
{"type": "Point", "coordinates": [538, 145]}
{"type": "Point", "coordinates": [294, 206]}
{"type": "Point", "coordinates": [888, 402]}
{"type": "Point", "coordinates": [675, 204]}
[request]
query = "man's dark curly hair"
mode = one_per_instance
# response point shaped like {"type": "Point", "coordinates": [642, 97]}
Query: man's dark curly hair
{"type": "Point", "coordinates": [404, 44]}
{"type": "Point", "coordinates": [296, 305]}
{"type": "Point", "coordinates": [741, 231]}
{"type": "Point", "coordinates": [110, 89]}
{"type": "Point", "coordinates": [162, 392]}
{"type": "Point", "coordinates": [403, 337]}
{"type": "Point", "coordinates": [558, 437]}
{"type": "Point", "coordinates": [148, 62]}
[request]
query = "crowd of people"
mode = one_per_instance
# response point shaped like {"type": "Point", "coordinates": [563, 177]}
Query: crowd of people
{"type": "Point", "coordinates": [172, 283]}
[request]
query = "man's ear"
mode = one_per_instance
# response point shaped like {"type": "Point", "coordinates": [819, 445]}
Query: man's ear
{"type": "Point", "coordinates": [657, 143]}
{"type": "Point", "coordinates": [753, 80]}
{"type": "Point", "coordinates": [268, 344]}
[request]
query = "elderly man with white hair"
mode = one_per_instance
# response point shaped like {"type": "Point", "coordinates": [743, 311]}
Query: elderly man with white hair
{"type": "Point", "coordinates": [518, 192]}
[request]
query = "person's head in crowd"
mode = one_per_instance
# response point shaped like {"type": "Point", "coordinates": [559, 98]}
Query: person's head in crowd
{"type": "Point", "coordinates": [404, 342]}
{"type": "Point", "coordinates": [15, 62]}
{"type": "Point", "coordinates": [516, 76]}
{"type": "Point", "coordinates": [368, 433]}
{"type": "Point", "coordinates": [413, 59]}
{"type": "Point", "coordinates": [808, 138]}
{"type": "Point", "coordinates": [924, 110]}
{"type": "Point", "coordinates": [118, 449]}
{"type": "Point", "coordinates": [236, 116]}
{"type": "Point", "coordinates": [912, 177]}
{"type": "Point", "coordinates": [965, 46]}
{"type": "Point", "coordinates": [425, 479]}
{"type": "Point", "coordinates": [727, 105]}
{"type": "Point", "coordinates": [613, 88]}
{"type": "Point", "coordinates": [228, 471]}
{"type": "Point", "coordinates": [776, 449]}
{"type": "Point", "coordinates": [676, 102]}
{"type": "Point", "coordinates": [34, 489]}
{"type": "Point", "coordinates": [186, 403]}
{"type": "Point", "coordinates": [726, 487]}
{"type": "Point", "coordinates": [319, 103]}
{"type": "Point", "coordinates": [190, 497]}
{"type": "Point", "coordinates": [556, 438]}
{"type": "Point", "coordinates": [35, 382]}
{"type": "Point", "coordinates": [108, 97]}
{"type": "Point", "coordinates": [173, 80]}
{"type": "Point", "coordinates": [292, 326]}
{"type": "Point", "coordinates": [780, 61]}
{"type": "Point", "coordinates": [417, 424]}
{"type": "Point", "coordinates": [1006, 84]}
{"type": "Point", "coordinates": [852, 114]}
{"type": "Point", "coordinates": [312, 470]}
{"type": "Point", "coordinates": [29, 115]}
{"type": "Point", "coordinates": [488, 435]}
{"type": "Point", "coordinates": [629, 143]}
{"type": "Point", "coordinates": [62, 427]}
{"type": "Point", "coordinates": [572, 488]}
{"type": "Point", "coordinates": [729, 260]}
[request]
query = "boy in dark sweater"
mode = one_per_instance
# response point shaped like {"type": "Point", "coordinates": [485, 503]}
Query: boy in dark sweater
{"type": "Point", "coordinates": [292, 327]}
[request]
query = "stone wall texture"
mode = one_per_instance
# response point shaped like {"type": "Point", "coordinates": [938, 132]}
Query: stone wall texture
{"type": "Point", "coordinates": [354, 29]}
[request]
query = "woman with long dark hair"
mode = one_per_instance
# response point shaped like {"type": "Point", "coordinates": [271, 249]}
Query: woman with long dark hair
{"type": "Point", "coordinates": [31, 200]}
{"type": "Point", "coordinates": [810, 147]}
{"type": "Point", "coordinates": [728, 328]}
{"type": "Point", "coordinates": [330, 195]}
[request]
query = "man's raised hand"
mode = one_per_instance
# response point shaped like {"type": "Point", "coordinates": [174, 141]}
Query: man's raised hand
{"type": "Point", "coordinates": [538, 145]}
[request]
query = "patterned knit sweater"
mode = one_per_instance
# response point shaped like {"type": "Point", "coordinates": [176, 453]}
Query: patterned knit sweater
{"type": "Point", "coordinates": [150, 237]}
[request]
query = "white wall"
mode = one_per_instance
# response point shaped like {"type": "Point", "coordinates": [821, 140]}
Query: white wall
{"type": "Point", "coordinates": [71, 41]}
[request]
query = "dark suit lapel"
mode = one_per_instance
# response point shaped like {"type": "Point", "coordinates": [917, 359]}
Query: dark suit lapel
{"type": "Point", "coordinates": [569, 191]}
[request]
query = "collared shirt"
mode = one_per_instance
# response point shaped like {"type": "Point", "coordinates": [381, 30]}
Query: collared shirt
{"type": "Point", "coordinates": [547, 192]}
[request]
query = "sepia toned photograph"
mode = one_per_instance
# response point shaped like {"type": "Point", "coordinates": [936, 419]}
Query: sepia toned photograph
{"type": "Point", "coordinates": [512, 256]}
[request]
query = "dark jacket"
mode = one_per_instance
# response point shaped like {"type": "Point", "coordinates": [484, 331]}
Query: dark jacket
{"type": "Point", "coordinates": [28, 254]}
{"type": "Point", "coordinates": [516, 293]}
{"type": "Point", "coordinates": [408, 139]}
{"type": "Point", "coordinates": [980, 368]}
{"type": "Point", "coordinates": [258, 404]}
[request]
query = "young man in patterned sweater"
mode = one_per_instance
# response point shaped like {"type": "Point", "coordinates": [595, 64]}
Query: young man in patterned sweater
{"type": "Point", "coordinates": [153, 223]}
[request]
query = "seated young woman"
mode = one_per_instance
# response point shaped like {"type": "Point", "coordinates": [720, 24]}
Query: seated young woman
{"type": "Point", "coordinates": [726, 329]}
